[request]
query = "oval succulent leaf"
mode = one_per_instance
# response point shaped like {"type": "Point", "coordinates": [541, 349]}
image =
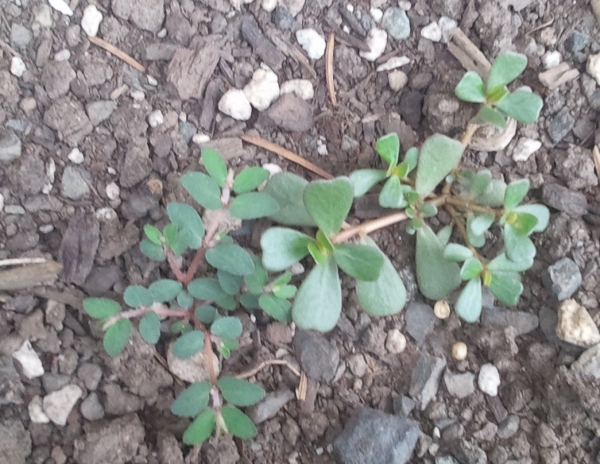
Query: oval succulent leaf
{"type": "Point", "coordinates": [214, 165]}
{"type": "Point", "coordinates": [240, 392]}
{"type": "Point", "coordinates": [493, 195]}
{"type": "Point", "coordinates": [253, 205]}
{"type": "Point", "coordinates": [136, 296]}
{"type": "Point", "coordinates": [231, 258]}
{"type": "Point", "coordinates": [206, 288]}
{"type": "Point", "coordinates": [188, 344]}
{"type": "Point", "coordinates": [438, 156]}
{"type": "Point", "coordinates": [522, 105]}
{"type": "Point", "coordinates": [456, 252]}
{"type": "Point", "coordinates": [363, 180]}
{"type": "Point", "coordinates": [481, 223]}
{"type": "Point", "coordinates": [468, 304]}
{"type": "Point", "coordinates": [238, 423]}
{"type": "Point", "coordinates": [286, 189]}
{"type": "Point", "coordinates": [283, 247]}
{"type": "Point", "coordinates": [227, 327]}
{"type": "Point", "coordinates": [362, 262]}
{"type": "Point", "coordinates": [101, 308]}
{"type": "Point", "coordinates": [276, 307]}
{"type": "Point", "coordinates": [187, 218]}
{"type": "Point", "coordinates": [525, 223]}
{"type": "Point", "coordinates": [541, 212]}
{"type": "Point", "coordinates": [501, 264]}
{"type": "Point", "coordinates": [116, 337]}
{"type": "Point", "coordinates": [481, 181]}
{"type": "Point", "coordinates": [505, 69]}
{"type": "Point", "coordinates": [392, 194]}
{"type": "Point", "coordinates": [150, 327]}
{"type": "Point", "coordinates": [249, 179]}
{"type": "Point", "coordinates": [471, 88]}
{"type": "Point", "coordinates": [388, 148]}
{"type": "Point", "coordinates": [328, 202]}
{"type": "Point", "coordinates": [518, 247]}
{"type": "Point", "coordinates": [193, 400]}
{"type": "Point", "coordinates": [230, 283]}
{"type": "Point", "coordinates": [152, 250]}
{"type": "Point", "coordinates": [200, 429]}
{"type": "Point", "coordinates": [165, 290]}
{"type": "Point", "coordinates": [507, 287]}
{"type": "Point", "coordinates": [153, 234]}
{"type": "Point", "coordinates": [489, 115]}
{"type": "Point", "coordinates": [515, 192]}
{"type": "Point", "coordinates": [203, 188]}
{"type": "Point", "coordinates": [471, 269]}
{"type": "Point", "coordinates": [206, 313]}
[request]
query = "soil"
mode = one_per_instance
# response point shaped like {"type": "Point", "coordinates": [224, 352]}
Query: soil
{"type": "Point", "coordinates": [75, 95]}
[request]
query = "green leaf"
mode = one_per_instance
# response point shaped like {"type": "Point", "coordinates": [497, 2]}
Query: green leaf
{"type": "Point", "coordinates": [525, 223]}
{"type": "Point", "coordinates": [507, 287]}
{"type": "Point", "coordinates": [153, 234]}
{"type": "Point", "coordinates": [207, 289]}
{"type": "Point", "coordinates": [101, 308]}
{"type": "Point", "coordinates": [283, 279]}
{"type": "Point", "coordinates": [238, 423]}
{"type": "Point", "coordinates": [456, 252]}
{"type": "Point", "coordinates": [206, 313]}
{"type": "Point", "coordinates": [522, 105]}
{"type": "Point", "coordinates": [203, 188]}
{"type": "Point", "coordinates": [501, 264]}
{"type": "Point", "coordinates": [481, 181]}
{"type": "Point", "coordinates": [276, 307]}
{"type": "Point", "coordinates": [165, 290]}
{"type": "Point", "coordinates": [515, 192]}
{"type": "Point", "coordinates": [388, 148]}
{"type": "Point", "coordinates": [436, 277]}
{"type": "Point", "coordinates": [286, 189]}
{"type": "Point", "coordinates": [188, 344]}
{"type": "Point", "coordinates": [180, 327]}
{"type": "Point", "coordinates": [518, 247]}
{"type": "Point", "coordinates": [187, 218]}
{"type": "Point", "coordinates": [193, 400]}
{"type": "Point", "coordinates": [392, 194]}
{"type": "Point", "coordinates": [214, 165]}
{"type": "Point", "coordinates": [116, 336]}
{"type": "Point", "coordinates": [152, 250]}
{"type": "Point", "coordinates": [493, 195]}
{"type": "Point", "coordinates": [185, 300]}
{"type": "Point", "coordinates": [257, 280]}
{"type": "Point", "coordinates": [481, 223]}
{"type": "Point", "coordinates": [476, 240]}
{"type": "Point", "coordinates": [384, 296]}
{"type": "Point", "coordinates": [250, 301]}
{"type": "Point", "coordinates": [171, 236]}
{"type": "Point", "coordinates": [318, 303]}
{"type": "Point", "coordinates": [541, 212]}
{"type": "Point", "coordinates": [364, 179]}
{"type": "Point", "coordinates": [240, 392]}
{"type": "Point", "coordinates": [136, 296]}
{"type": "Point", "coordinates": [231, 258]}
{"type": "Point", "coordinates": [253, 205]}
{"type": "Point", "coordinates": [411, 158]}
{"type": "Point", "coordinates": [362, 262]}
{"type": "Point", "coordinates": [428, 210]}
{"type": "Point", "coordinates": [319, 255]}
{"type": "Point", "coordinates": [229, 282]}
{"type": "Point", "coordinates": [444, 234]}
{"type": "Point", "coordinates": [200, 429]}
{"type": "Point", "coordinates": [328, 202]}
{"type": "Point", "coordinates": [505, 69]}
{"type": "Point", "coordinates": [285, 291]}
{"type": "Point", "coordinates": [489, 115]}
{"type": "Point", "coordinates": [471, 88]}
{"type": "Point", "coordinates": [468, 304]}
{"type": "Point", "coordinates": [150, 327]}
{"type": "Point", "coordinates": [283, 247]}
{"type": "Point", "coordinates": [249, 179]}
{"type": "Point", "coordinates": [439, 155]}
{"type": "Point", "coordinates": [470, 269]}
{"type": "Point", "coordinates": [227, 327]}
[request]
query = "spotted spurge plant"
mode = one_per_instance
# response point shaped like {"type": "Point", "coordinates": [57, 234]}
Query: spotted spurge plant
{"type": "Point", "coordinates": [195, 311]}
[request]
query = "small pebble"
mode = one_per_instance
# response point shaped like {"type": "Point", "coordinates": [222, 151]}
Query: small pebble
{"type": "Point", "coordinates": [525, 148]}
{"type": "Point", "coordinates": [156, 118]}
{"type": "Point", "coordinates": [312, 42]}
{"type": "Point", "coordinates": [447, 25]}
{"type": "Point", "coordinates": [395, 341]}
{"type": "Point", "coordinates": [576, 326]}
{"type": "Point", "coordinates": [112, 191]}
{"type": "Point", "coordinates": [199, 139]}
{"type": "Point", "coordinates": [551, 59]}
{"type": "Point", "coordinates": [593, 66]}
{"type": "Point", "coordinates": [235, 104]}
{"type": "Point", "coordinates": [397, 80]}
{"type": "Point", "coordinates": [29, 360]}
{"type": "Point", "coordinates": [17, 66]}
{"type": "Point", "coordinates": [46, 228]}
{"type": "Point", "coordinates": [302, 88]}
{"type": "Point", "coordinates": [1, 202]}
{"type": "Point", "coordinates": [272, 168]}
{"type": "Point", "coordinates": [441, 309]}
{"type": "Point", "coordinates": [76, 156]}
{"type": "Point", "coordinates": [62, 55]}
{"type": "Point", "coordinates": [459, 351]}
{"type": "Point", "coordinates": [268, 5]}
{"type": "Point", "coordinates": [489, 379]}
{"type": "Point", "coordinates": [376, 14]}
{"type": "Point", "coordinates": [152, 81]}
{"type": "Point", "coordinates": [432, 32]}
{"type": "Point", "coordinates": [90, 22]}
{"type": "Point", "coordinates": [58, 404]}
{"type": "Point", "coordinates": [36, 411]}
{"type": "Point", "coordinates": [61, 6]}
{"type": "Point", "coordinates": [393, 63]}
{"type": "Point", "coordinates": [377, 41]}
{"type": "Point", "coordinates": [263, 89]}
{"type": "Point", "coordinates": [28, 104]}
{"type": "Point", "coordinates": [137, 95]}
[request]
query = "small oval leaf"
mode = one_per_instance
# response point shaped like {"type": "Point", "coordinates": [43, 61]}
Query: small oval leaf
{"type": "Point", "coordinates": [164, 290]}
{"type": "Point", "coordinates": [200, 429]}
{"type": "Point", "coordinates": [116, 337]}
{"type": "Point", "coordinates": [230, 258]}
{"type": "Point", "coordinates": [188, 344]}
{"type": "Point", "coordinates": [238, 423]}
{"type": "Point", "coordinates": [249, 179]}
{"type": "Point", "coordinates": [193, 400]}
{"type": "Point", "coordinates": [253, 205]}
{"type": "Point", "coordinates": [101, 308]}
{"type": "Point", "coordinates": [214, 165]}
{"type": "Point", "coordinates": [240, 392]}
{"type": "Point", "coordinates": [203, 188]}
{"type": "Point", "coordinates": [227, 327]}
{"type": "Point", "coordinates": [150, 327]}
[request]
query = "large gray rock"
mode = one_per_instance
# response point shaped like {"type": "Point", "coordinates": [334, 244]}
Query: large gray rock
{"type": "Point", "coordinates": [425, 379]}
{"type": "Point", "coordinates": [15, 442]}
{"type": "Point", "coordinates": [318, 356]}
{"type": "Point", "coordinates": [145, 14]}
{"type": "Point", "coordinates": [563, 278]}
{"type": "Point", "coordinates": [68, 118]}
{"type": "Point", "coordinates": [420, 320]}
{"type": "Point", "coordinates": [374, 437]}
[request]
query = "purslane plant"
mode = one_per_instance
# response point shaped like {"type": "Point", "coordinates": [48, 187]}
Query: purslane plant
{"type": "Point", "coordinates": [417, 185]}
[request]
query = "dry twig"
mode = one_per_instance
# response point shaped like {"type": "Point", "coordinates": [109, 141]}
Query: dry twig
{"type": "Point", "coordinates": [262, 365]}
{"type": "Point", "coordinates": [596, 154]}
{"type": "Point", "coordinates": [329, 68]}
{"type": "Point", "coordinates": [20, 261]}
{"type": "Point", "coordinates": [541, 26]}
{"type": "Point", "coordinates": [118, 53]}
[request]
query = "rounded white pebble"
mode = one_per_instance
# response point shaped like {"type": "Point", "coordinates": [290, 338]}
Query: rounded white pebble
{"type": "Point", "coordinates": [312, 42]}
{"type": "Point", "coordinates": [272, 168]}
{"type": "Point", "coordinates": [36, 411]}
{"type": "Point", "coordinates": [29, 360]}
{"type": "Point", "coordinates": [90, 23]}
{"type": "Point", "coordinates": [76, 157]}
{"type": "Point", "coordinates": [156, 118]}
{"type": "Point", "coordinates": [377, 41]}
{"type": "Point", "coordinates": [432, 32]}
{"type": "Point", "coordinates": [524, 148]}
{"type": "Point", "coordinates": [263, 89]}
{"type": "Point", "coordinates": [376, 14]}
{"type": "Point", "coordinates": [112, 171]}
{"type": "Point", "coordinates": [152, 81]}
{"type": "Point", "coordinates": [62, 6]}
{"type": "Point", "coordinates": [137, 95]}
{"type": "Point", "coordinates": [268, 5]}
{"type": "Point", "coordinates": [395, 342]}
{"type": "Point", "coordinates": [1, 202]}
{"type": "Point", "coordinates": [235, 104]}
{"type": "Point", "coordinates": [112, 191]}
{"type": "Point", "coordinates": [459, 351]}
{"type": "Point", "coordinates": [551, 59]}
{"type": "Point", "coordinates": [46, 228]}
{"type": "Point", "coordinates": [62, 55]}
{"type": "Point", "coordinates": [447, 25]}
{"type": "Point", "coordinates": [200, 138]}
{"type": "Point", "coordinates": [59, 404]}
{"type": "Point", "coordinates": [106, 214]}
{"type": "Point", "coordinates": [393, 63]}
{"type": "Point", "coordinates": [17, 66]}
{"type": "Point", "coordinates": [441, 309]}
{"type": "Point", "coordinates": [350, 7]}
{"type": "Point", "coordinates": [302, 88]}
{"type": "Point", "coordinates": [489, 379]}
{"type": "Point", "coordinates": [397, 80]}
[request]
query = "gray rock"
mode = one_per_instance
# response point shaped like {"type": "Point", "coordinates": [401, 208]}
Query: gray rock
{"type": "Point", "coordinates": [487, 432]}
{"type": "Point", "coordinates": [32, 327]}
{"type": "Point", "coordinates": [396, 23]}
{"type": "Point", "coordinates": [10, 147]}
{"type": "Point", "coordinates": [522, 322]}
{"type": "Point", "coordinates": [291, 113]}
{"type": "Point", "coordinates": [425, 379]}
{"type": "Point", "coordinates": [68, 118]}
{"type": "Point", "coordinates": [459, 385]}
{"type": "Point", "coordinates": [563, 199]}
{"type": "Point", "coordinates": [100, 111]}
{"type": "Point", "coordinates": [270, 405]}
{"type": "Point", "coordinates": [59, 404]}
{"type": "Point", "coordinates": [91, 408]}
{"type": "Point", "coordinates": [15, 442]}
{"type": "Point", "coordinates": [119, 402]}
{"type": "Point", "coordinates": [90, 374]}
{"type": "Point", "coordinates": [403, 405]}
{"type": "Point", "coordinates": [102, 279]}
{"type": "Point", "coordinates": [57, 77]}
{"type": "Point", "coordinates": [318, 356]}
{"type": "Point", "coordinates": [563, 278]}
{"type": "Point", "coordinates": [594, 100]}
{"type": "Point", "coordinates": [445, 460]}
{"type": "Point", "coordinates": [137, 164]}
{"type": "Point", "coordinates": [53, 382]}
{"type": "Point", "coordinates": [561, 125]}
{"type": "Point", "coordinates": [168, 448]}
{"type": "Point", "coordinates": [19, 36]}
{"type": "Point", "coordinates": [139, 204]}
{"type": "Point", "coordinates": [187, 131]}
{"type": "Point", "coordinates": [31, 174]}
{"type": "Point", "coordinates": [577, 169]}
{"type": "Point", "coordinates": [282, 18]}
{"type": "Point", "coordinates": [114, 442]}
{"type": "Point", "coordinates": [577, 41]}
{"type": "Point", "coordinates": [74, 185]}
{"type": "Point", "coordinates": [468, 453]}
{"type": "Point", "coordinates": [374, 437]}
{"type": "Point", "coordinates": [357, 364]}
{"type": "Point", "coordinates": [587, 365]}
{"type": "Point", "coordinates": [509, 427]}
{"type": "Point", "coordinates": [11, 387]}
{"type": "Point", "coordinates": [420, 320]}
{"type": "Point", "coordinates": [42, 202]}
{"type": "Point", "coordinates": [145, 14]}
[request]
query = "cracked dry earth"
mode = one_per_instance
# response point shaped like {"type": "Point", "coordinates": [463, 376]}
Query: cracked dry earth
{"type": "Point", "coordinates": [91, 147]}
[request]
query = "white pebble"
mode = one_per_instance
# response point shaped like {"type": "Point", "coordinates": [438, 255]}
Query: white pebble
{"type": "Point", "coordinates": [59, 404]}
{"type": "Point", "coordinates": [551, 59]}
{"type": "Point", "coordinates": [432, 32]}
{"type": "Point", "coordinates": [272, 168]}
{"type": "Point", "coordinates": [525, 148]}
{"type": "Point", "coordinates": [302, 88]}
{"type": "Point", "coordinates": [397, 80]}
{"type": "Point", "coordinates": [29, 360]}
{"type": "Point", "coordinates": [593, 66]}
{"type": "Point", "coordinates": [137, 95]}
{"type": "Point", "coordinates": [393, 63]}
{"type": "Point", "coordinates": [268, 5]}
{"type": "Point", "coordinates": [62, 55]}
{"type": "Point", "coordinates": [376, 14]}
{"type": "Point", "coordinates": [156, 118]}
{"type": "Point", "coordinates": [75, 156]}
{"type": "Point", "coordinates": [263, 89]}
{"type": "Point", "coordinates": [112, 171]}
{"type": "Point", "coordinates": [152, 81]}
{"type": "Point", "coordinates": [91, 20]}
{"type": "Point", "coordinates": [17, 66]}
{"type": "Point", "coordinates": [489, 379]}
{"type": "Point", "coordinates": [377, 41]}
{"type": "Point", "coordinates": [459, 351]}
{"type": "Point", "coordinates": [44, 16]}
{"type": "Point", "coordinates": [447, 25]}
{"type": "Point", "coordinates": [350, 7]}
{"type": "Point", "coordinates": [106, 214]}
{"type": "Point", "coordinates": [36, 412]}
{"type": "Point", "coordinates": [235, 104]}
{"type": "Point", "coordinates": [62, 6]}
{"type": "Point", "coordinates": [200, 138]}
{"type": "Point", "coordinates": [395, 341]}
{"type": "Point", "coordinates": [1, 202]}
{"type": "Point", "coordinates": [46, 228]}
{"type": "Point", "coordinates": [322, 150]}
{"type": "Point", "coordinates": [346, 29]}
{"type": "Point", "coordinates": [404, 5]}
{"type": "Point", "coordinates": [112, 191]}
{"type": "Point", "coordinates": [162, 34]}
{"type": "Point", "coordinates": [441, 309]}
{"type": "Point", "coordinates": [312, 42]}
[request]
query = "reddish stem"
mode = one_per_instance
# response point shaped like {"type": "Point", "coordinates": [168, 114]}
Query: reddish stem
{"type": "Point", "coordinates": [207, 243]}
{"type": "Point", "coordinates": [174, 267]}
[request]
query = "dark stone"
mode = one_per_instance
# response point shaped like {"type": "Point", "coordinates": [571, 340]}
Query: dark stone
{"type": "Point", "coordinates": [411, 107]}
{"type": "Point", "coordinates": [79, 246]}
{"type": "Point", "coordinates": [282, 18]}
{"type": "Point", "coordinates": [563, 199]}
{"type": "Point", "coordinates": [291, 113]}
{"type": "Point", "coordinates": [561, 125]}
{"type": "Point", "coordinates": [261, 45]}
{"type": "Point", "coordinates": [318, 356]}
{"type": "Point", "coordinates": [522, 322]}
{"type": "Point", "coordinates": [420, 320]}
{"type": "Point", "coordinates": [594, 100]}
{"type": "Point", "coordinates": [563, 278]}
{"type": "Point", "coordinates": [577, 42]}
{"type": "Point", "coordinates": [425, 379]}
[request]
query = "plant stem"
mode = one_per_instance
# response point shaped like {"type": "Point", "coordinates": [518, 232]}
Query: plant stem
{"type": "Point", "coordinates": [461, 228]}
{"type": "Point", "coordinates": [179, 275]}
{"type": "Point", "coordinates": [206, 243]}
{"type": "Point", "coordinates": [466, 204]}
{"type": "Point", "coordinates": [208, 350]}
{"type": "Point", "coordinates": [468, 134]}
